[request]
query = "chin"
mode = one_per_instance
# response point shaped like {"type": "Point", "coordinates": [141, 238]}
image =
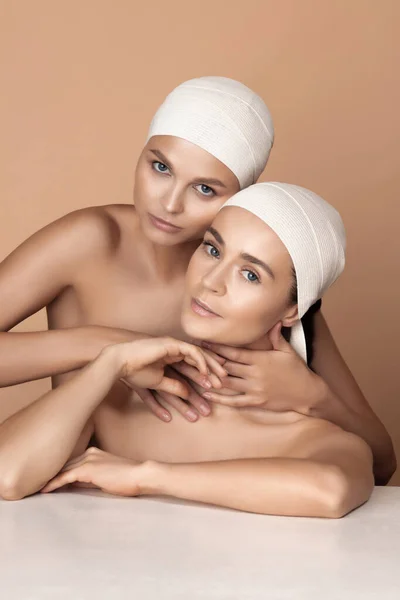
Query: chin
{"type": "Point", "coordinates": [198, 328]}
{"type": "Point", "coordinates": [209, 330]}
{"type": "Point", "coordinates": [161, 238]}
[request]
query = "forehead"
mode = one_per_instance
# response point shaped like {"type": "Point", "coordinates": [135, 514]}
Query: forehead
{"type": "Point", "coordinates": [243, 232]}
{"type": "Point", "coordinates": [187, 156]}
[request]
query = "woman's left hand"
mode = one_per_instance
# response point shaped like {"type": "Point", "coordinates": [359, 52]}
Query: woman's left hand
{"type": "Point", "coordinates": [95, 468]}
{"type": "Point", "coordinates": [276, 379]}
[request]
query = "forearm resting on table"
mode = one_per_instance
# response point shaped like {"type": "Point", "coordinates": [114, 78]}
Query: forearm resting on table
{"type": "Point", "coordinates": [36, 442]}
{"type": "Point", "coordinates": [34, 355]}
{"type": "Point", "coordinates": [273, 486]}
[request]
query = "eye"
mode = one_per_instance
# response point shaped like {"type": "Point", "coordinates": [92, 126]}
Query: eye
{"type": "Point", "coordinates": [160, 167]}
{"type": "Point", "coordinates": [211, 249]}
{"type": "Point", "coordinates": [250, 276]}
{"type": "Point", "coordinates": [205, 190]}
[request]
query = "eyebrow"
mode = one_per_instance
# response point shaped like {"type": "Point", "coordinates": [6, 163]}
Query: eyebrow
{"type": "Point", "coordinates": [161, 156]}
{"type": "Point", "coordinates": [260, 263]}
{"type": "Point", "coordinates": [217, 235]}
{"type": "Point", "coordinates": [211, 181]}
{"type": "Point", "coordinates": [205, 180]}
{"type": "Point", "coordinates": [244, 255]}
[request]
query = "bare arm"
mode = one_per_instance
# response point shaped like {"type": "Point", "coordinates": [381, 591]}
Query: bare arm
{"type": "Point", "coordinates": [342, 402]}
{"type": "Point", "coordinates": [34, 275]}
{"type": "Point", "coordinates": [34, 355]}
{"type": "Point", "coordinates": [331, 482]}
{"type": "Point", "coordinates": [37, 441]}
{"type": "Point", "coordinates": [329, 475]}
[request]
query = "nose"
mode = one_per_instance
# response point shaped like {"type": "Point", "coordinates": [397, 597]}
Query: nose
{"type": "Point", "coordinates": [173, 200]}
{"type": "Point", "coordinates": [214, 280]}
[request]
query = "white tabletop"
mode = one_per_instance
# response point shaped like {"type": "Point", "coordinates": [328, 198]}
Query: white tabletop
{"type": "Point", "coordinates": [84, 544]}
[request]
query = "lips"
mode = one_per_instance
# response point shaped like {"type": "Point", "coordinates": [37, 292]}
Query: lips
{"type": "Point", "coordinates": [164, 225]}
{"type": "Point", "coordinates": [202, 308]}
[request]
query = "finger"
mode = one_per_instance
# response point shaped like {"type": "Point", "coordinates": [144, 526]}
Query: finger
{"type": "Point", "coordinates": [197, 401]}
{"type": "Point", "coordinates": [195, 398]}
{"type": "Point", "coordinates": [234, 401]}
{"type": "Point", "coordinates": [188, 351]}
{"type": "Point", "coordinates": [180, 406]}
{"type": "Point", "coordinates": [197, 357]}
{"type": "Point", "coordinates": [91, 451]}
{"type": "Point", "coordinates": [174, 386]}
{"type": "Point", "coordinates": [61, 480]}
{"type": "Point", "coordinates": [80, 484]}
{"type": "Point", "coordinates": [220, 359]}
{"type": "Point", "coordinates": [73, 463]}
{"type": "Point", "coordinates": [237, 384]}
{"type": "Point", "coordinates": [277, 340]}
{"type": "Point", "coordinates": [150, 401]}
{"type": "Point", "coordinates": [239, 355]}
{"type": "Point", "coordinates": [177, 358]}
{"type": "Point", "coordinates": [193, 374]}
{"type": "Point", "coordinates": [237, 369]}
{"type": "Point", "coordinates": [214, 366]}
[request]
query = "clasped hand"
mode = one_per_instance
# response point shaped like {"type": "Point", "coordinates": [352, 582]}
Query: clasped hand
{"type": "Point", "coordinates": [275, 379]}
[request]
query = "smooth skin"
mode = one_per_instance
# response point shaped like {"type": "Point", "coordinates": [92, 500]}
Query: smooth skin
{"type": "Point", "coordinates": [108, 275]}
{"type": "Point", "coordinates": [325, 473]}
{"type": "Point", "coordinates": [249, 459]}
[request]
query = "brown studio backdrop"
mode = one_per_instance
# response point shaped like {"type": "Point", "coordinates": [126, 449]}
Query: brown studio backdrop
{"type": "Point", "coordinates": [81, 81]}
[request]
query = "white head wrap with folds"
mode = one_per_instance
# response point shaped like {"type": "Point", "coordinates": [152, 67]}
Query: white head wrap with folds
{"type": "Point", "coordinates": [225, 118]}
{"type": "Point", "coordinates": [313, 233]}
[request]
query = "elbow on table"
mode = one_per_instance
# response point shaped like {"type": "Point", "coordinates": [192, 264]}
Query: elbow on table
{"type": "Point", "coordinates": [11, 487]}
{"type": "Point", "coordinates": [344, 493]}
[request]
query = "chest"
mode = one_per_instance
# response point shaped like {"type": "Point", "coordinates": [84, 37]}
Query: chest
{"type": "Point", "coordinates": [116, 295]}
{"type": "Point", "coordinates": [124, 426]}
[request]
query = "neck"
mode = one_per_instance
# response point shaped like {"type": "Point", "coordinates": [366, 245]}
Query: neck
{"type": "Point", "coordinates": [263, 343]}
{"type": "Point", "coordinates": [167, 262]}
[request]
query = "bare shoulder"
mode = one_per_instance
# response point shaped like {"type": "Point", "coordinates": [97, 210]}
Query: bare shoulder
{"type": "Point", "coordinates": [93, 228]}
{"type": "Point", "coordinates": [91, 233]}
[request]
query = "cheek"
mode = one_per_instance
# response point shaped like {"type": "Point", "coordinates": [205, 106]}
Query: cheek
{"type": "Point", "coordinates": [196, 269]}
{"type": "Point", "coordinates": [251, 316]}
{"type": "Point", "coordinates": [148, 187]}
{"type": "Point", "coordinates": [139, 190]}
{"type": "Point", "coordinates": [201, 213]}
{"type": "Point", "coordinates": [248, 316]}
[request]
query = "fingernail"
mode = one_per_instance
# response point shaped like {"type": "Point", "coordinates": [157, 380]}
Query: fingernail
{"type": "Point", "coordinates": [207, 396]}
{"type": "Point", "coordinates": [166, 416]}
{"type": "Point", "coordinates": [207, 384]}
{"type": "Point", "coordinates": [204, 409]}
{"type": "Point", "coordinates": [191, 415]}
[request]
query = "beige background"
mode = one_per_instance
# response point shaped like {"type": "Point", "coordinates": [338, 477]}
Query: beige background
{"type": "Point", "coordinates": [80, 81]}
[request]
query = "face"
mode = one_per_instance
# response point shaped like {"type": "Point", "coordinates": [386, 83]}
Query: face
{"type": "Point", "coordinates": [239, 281]}
{"type": "Point", "coordinates": [179, 189]}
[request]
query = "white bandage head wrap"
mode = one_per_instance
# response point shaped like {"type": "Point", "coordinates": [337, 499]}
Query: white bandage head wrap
{"type": "Point", "coordinates": [225, 118]}
{"type": "Point", "coordinates": [313, 233]}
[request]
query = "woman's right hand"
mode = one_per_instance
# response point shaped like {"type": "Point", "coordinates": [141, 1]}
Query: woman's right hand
{"type": "Point", "coordinates": [194, 405]}
{"type": "Point", "coordinates": [142, 364]}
